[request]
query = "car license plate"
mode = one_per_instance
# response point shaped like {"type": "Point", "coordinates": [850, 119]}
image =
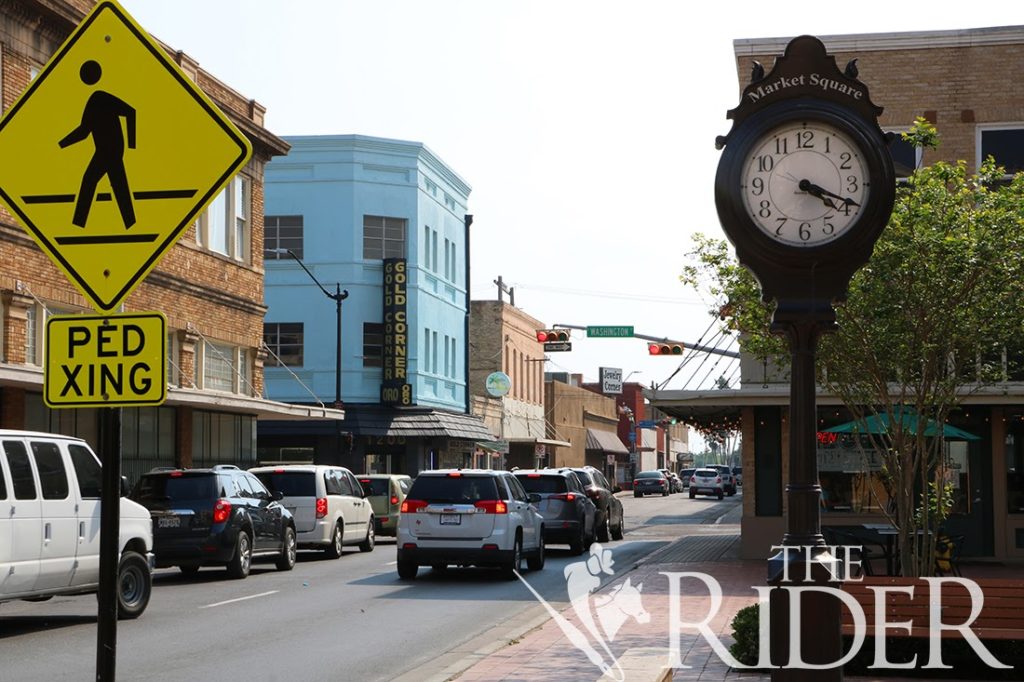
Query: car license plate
{"type": "Point", "coordinates": [451, 519]}
{"type": "Point", "coordinates": [169, 522]}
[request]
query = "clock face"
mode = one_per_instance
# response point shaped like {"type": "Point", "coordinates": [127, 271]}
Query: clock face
{"type": "Point", "coordinates": [805, 183]}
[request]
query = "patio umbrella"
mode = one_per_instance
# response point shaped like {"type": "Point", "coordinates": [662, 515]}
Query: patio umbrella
{"type": "Point", "coordinates": [881, 423]}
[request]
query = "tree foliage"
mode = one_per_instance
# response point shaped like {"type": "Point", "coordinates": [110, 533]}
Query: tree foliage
{"type": "Point", "coordinates": [927, 320]}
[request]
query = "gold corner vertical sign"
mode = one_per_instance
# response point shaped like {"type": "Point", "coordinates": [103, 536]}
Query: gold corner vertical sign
{"type": "Point", "coordinates": [116, 152]}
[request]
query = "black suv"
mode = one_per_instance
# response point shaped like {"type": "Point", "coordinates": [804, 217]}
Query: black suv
{"type": "Point", "coordinates": [608, 521]}
{"type": "Point", "coordinates": [218, 516]}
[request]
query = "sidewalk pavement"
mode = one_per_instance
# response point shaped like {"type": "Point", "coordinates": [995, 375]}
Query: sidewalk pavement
{"type": "Point", "coordinates": [643, 649]}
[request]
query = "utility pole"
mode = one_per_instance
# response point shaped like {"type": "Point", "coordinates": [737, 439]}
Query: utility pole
{"type": "Point", "coordinates": [502, 289]}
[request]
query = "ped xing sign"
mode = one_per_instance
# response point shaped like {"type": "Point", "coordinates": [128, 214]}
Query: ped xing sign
{"type": "Point", "coordinates": [117, 152]}
{"type": "Point", "coordinates": [105, 360]}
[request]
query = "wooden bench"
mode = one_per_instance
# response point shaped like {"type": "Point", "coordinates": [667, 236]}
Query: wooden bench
{"type": "Point", "coordinates": [1001, 617]}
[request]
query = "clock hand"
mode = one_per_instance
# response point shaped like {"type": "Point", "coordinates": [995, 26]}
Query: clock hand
{"type": "Point", "coordinates": [820, 192]}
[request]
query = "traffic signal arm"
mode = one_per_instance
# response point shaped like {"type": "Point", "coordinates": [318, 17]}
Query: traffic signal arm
{"type": "Point", "coordinates": [664, 341]}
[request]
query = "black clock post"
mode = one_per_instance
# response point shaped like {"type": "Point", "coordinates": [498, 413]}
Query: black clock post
{"type": "Point", "coordinates": [803, 189]}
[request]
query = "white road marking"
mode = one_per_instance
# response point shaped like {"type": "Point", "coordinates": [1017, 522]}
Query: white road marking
{"type": "Point", "coordinates": [232, 601]}
{"type": "Point", "coordinates": [391, 563]}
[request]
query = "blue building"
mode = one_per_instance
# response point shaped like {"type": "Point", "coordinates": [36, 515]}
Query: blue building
{"type": "Point", "coordinates": [385, 221]}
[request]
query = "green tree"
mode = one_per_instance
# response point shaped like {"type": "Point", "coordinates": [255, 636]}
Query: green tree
{"type": "Point", "coordinates": [926, 323]}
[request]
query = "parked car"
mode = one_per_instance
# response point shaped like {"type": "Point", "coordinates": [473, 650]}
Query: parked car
{"type": "Point", "coordinates": [737, 472]}
{"type": "Point", "coordinates": [685, 475]}
{"type": "Point", "coordinates": [728, 480]}
{"type": "Point", "coordinates": [707, 481]}
{"type": "Point", "coordinates": [674, 484]}
{"type": "Point", "coordinates": [218, 516]}
{"type": "Point", "coordinates": [568, 513]}
{"type": "Point", "coordinates": [386, 492]}
{"type": "Point", "coordinates": [469, 517]}
{"type": "Point", "coordinates": [610, 524]}
{"type": "Point", "coordinates": [327, 505]}
{"type": "Point", "coordinates": [50, 524]}
{"type": "Point", "coordinates": [647, 482]}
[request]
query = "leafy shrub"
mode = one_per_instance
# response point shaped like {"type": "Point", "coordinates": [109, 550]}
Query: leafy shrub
{"type": "Point", "coordinates": [745, 631]}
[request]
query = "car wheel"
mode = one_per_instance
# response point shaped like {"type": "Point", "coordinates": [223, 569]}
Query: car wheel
{"type": "Point", "coordinates": [617, 530]}
{"type": "Point", "coordinates": [368, 544]}
{"type": "Point", "coordinates": [720, 494]}
{"type": "Point", "coordinates": [134, 585]}
{"type": "Point", "coordinates": [189, 571]}
{"type": "Point", "coordinates": [536, 561]}
{"type": "Point", "coordinates": [515, 563]}
{"type": "Point", "coordinates": [286, 561]}
{"type": "Point", "coordinates": [579, 544]}
{"type": "Point", "coordinates": [407, 570]}
{"type": "Point", "coordinates": [241, 560]}
{"type": "Point", "coordinates": [664, 493]}
{"type": "Point", "coordinates": [603, 532]}
{"type": "Point", "coordinates": [333, 550]}
{"type": "Point", "coordinates": [692, 494]}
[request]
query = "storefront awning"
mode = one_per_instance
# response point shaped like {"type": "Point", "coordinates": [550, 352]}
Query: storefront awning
{"type": "Point", "coordinates": [542, 441]}
{"type": "Point", "coordinates": [374, 420]}
{"type": "Point", "coordinates": [605, 440]}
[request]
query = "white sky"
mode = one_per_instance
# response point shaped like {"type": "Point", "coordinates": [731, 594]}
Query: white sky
{"type": "Point", "coordinates": [585, 127]}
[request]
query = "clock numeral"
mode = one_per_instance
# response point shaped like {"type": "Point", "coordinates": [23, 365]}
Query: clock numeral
{"type": "Point", "coordinates": [845, 156]}
{"type": "Point", "coordinates": [805, 231]}
{"type": "Point", "coordinates": [758, 184]}
{"type": "Point", "coordinates": [782, 223]}
{"type": "Point", "coordinates": [851, 184]}
{"type": "Point", "coordinates": [828, 228]}
{"type": "Point", "coordinates": [805, 140]}
{"type": "Point", "coordinates": [765, 163]}
{"type": "Point", "coordinates": [766, 211]}
{"type": "Point", "coordinates": [845, 208]}
{"type": "Point", "coordinates": [828, 146]}
{"type": "Point", "coordinates": [782, 145]}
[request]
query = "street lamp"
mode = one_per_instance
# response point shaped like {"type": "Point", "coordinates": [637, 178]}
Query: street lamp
{"type": "Point", "coordinates": [338, 296]}
{"type": "Point", "coordinates": [635, 371]}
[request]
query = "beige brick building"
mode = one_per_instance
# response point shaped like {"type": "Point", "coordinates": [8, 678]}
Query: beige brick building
{"type": "Point", "coordinates": [209, 286]}
{"type": "Point", "coordinates": [967, 84]}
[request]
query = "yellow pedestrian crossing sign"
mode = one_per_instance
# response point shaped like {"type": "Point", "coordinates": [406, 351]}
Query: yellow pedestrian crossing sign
{"type": "Point", "coordinates": [112, 153]}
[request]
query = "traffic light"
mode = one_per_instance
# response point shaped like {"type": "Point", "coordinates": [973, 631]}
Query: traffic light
{"type": "Point", "coordinates": [552, 335]}
{"type": "Point", "coordinates": [665, 349]}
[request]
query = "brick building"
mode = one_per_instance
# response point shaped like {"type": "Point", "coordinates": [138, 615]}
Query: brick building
{"type": "Point", "coordinates": [962, 82]}
{"type": "Point", "coordinates": [209, 286]}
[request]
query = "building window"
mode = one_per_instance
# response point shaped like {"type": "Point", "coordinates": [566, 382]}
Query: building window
{"type": "Point", "coordinates": [448, 260]}
{"type": "Point", "coordinates": [282, 233]}
{"type": "Point", "coordinates": [218, 367]}
{"type": "Point", "coordinates": [433, 353]}
{"type": "Point", "coordinates": [426, 247]}
{"type": "Point", "coordinates": [1003, 143]}
{"type": "Point", "coordinates": [383, 237]}
{"type": "Point", "coordinates": [905, 157]}
{"type": "Point", "coordinates": [433, 251]}
{"type": "Point", "coordinates": [373, 344]}
{"type": "Point", "coordinates": [171, 363]}
{"type": "Point", "coordinates": [454, 370]}
{"type": "Point", "coordinates": [224, 227]}
{"type": "Point", "coordinates": [447, 355]}
{"type": "Point", "coordinates": [32, 337]}
{"type": "Point", "coordinates": [426, 351]}
{"type": "Point", "coordinates": [284, 339]}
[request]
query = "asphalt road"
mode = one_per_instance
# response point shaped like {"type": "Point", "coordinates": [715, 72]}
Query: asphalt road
{"type": "Point", "coordinates": [345, 619]}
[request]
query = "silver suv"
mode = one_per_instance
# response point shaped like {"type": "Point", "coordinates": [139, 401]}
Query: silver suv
{"type": "Point", "coordinates": [707, 481]}
{"type": "Point", "coordinates": [469, 517]}
{"type": "Point", "coordinates": [728, 480]}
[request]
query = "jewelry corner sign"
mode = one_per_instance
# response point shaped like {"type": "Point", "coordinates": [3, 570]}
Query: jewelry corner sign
{"type": "Point", "coordinates": [119, 151]}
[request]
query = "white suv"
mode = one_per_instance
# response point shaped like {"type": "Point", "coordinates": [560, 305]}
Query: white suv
{"type": "Point", "coordinates": [327, 503]}
{"type": "Point", "coordinates": [469, 517]}
{"type": "Point", "coordinates": [50, 524]}
{"type": "Point", "coordinates": [707, 481]}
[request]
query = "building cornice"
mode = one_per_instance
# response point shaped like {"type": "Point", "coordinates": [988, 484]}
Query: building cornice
{"type": "Point", "coordinates": [877, 42]}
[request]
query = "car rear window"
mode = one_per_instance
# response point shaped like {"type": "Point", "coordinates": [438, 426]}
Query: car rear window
{"type": "Point", "coordinates": [650, 474]}
{"type": "Point", "coordinates": [707, 472]}
{"type": "Point", "coordinates": [585, 478]}
{"type": "Point", "coordinates": [291, 483]}
{"type": "Point", "coordinates": [375, 486]}
{"type": "Point", "coordinates": [164, 488]}
{"type": "Point", "coordinates": [537, 483]}
{"type": "Point", "coordinates": [454, 489]}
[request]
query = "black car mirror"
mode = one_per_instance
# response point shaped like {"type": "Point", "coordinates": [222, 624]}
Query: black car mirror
{"type": "Point", "coordinates": [125, 488]}
{"type": "Point", "coordinates": [617, 488]}
{"type": "Point", "coordinates": [277, 496]}
{"type": "Point", "coordinates": [535, 498]}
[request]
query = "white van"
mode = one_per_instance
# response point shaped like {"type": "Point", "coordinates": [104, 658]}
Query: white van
{"type": "Point", "coordinates": [50, 524]}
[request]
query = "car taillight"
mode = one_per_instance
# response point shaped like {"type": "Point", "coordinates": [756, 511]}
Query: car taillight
{"type": "Point", "coordinates": [394, 499]}
{"type": "Point", "coordinates": [492, 506]}
{"type": "Point", "coordinates": [413, 506]}
{"type": "Point", "coordinates": [221, 511]}
{"type": "Point", "coordinates": [321, 507]}
{"type": "Point", "coordinates": [718, 480]}
{"type": "Point", "coordinates": [693, 479]}
{"type": "Point", "coordinates": [636, 482]}
{"type": "Point", "coordinates": [568, 497]}
{"type": "Point", "coordinates": [593, 494]}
